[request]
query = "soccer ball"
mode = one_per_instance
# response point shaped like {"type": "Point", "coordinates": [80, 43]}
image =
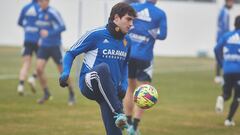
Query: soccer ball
{"type": "Point", "coordinates": [145, 96]}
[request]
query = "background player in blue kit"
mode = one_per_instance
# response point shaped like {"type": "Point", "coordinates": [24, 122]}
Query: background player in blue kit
{"type": "Point", "coordinates": [27, 20]}
{"type": "Point", "coordinates": [150, 20]}
{"type": "Point", "coordinates": [227, 53]}
{"type": "Point", "coordinates": [104, 71]}
{"type": "Point", "coordinates": [51, 25]}
{"type": "Point", "coordinates": [223, 26]}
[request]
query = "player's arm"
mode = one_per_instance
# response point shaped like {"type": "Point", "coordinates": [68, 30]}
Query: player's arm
{"type": "Point", "coordinates": [58, 24]}
{"type": "Point", "coordinates": [163, 27]}
{"type": "Point", "coordinates": [21, 18]}
{"type": "Point", "coordinates": [218, 50]}
{"type": "Point", "coordinates": [84, 44]}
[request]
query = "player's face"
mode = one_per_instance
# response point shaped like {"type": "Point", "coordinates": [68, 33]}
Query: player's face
{"type": "Point", "coordinates": [124, 23]}
{"type": "Point", "coordinates": [43, 3]}
{"type": "Point", "coordinates": [230, 3]}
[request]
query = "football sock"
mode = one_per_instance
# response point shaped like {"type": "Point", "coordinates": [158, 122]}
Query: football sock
{"type": "Point", "coordinates": [233, 109]}
{"type": "Point", "coordinates": [21, 82]}
{"type": "Point", "coordinates": [46, 91]}
{"type": "Point", "coordinates": [135, 123]}
{"type": "Point", "coordinates": [71, 93]}
{"type": "Point", "coordinates": [129, 120]}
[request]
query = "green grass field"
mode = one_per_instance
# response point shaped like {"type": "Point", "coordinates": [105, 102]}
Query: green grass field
{"type": "Point", "coordinates": [186, 104]}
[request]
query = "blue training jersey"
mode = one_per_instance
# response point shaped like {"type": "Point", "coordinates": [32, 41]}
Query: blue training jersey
{"type": "Point", "coordinates": [27, 20]}
{"type": "Point", "coordinates": [227, 52]}
{"type": "Point", "coordinates": [150, 24]}
{"type": "Point", "coordinates": [51, 20]}
{"type": "Point", "coordinates": [223, 22]}
{"type": "Point", "coordinates": [100, 46]}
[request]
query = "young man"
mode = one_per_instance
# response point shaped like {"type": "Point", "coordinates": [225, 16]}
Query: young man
{"type": "Point", "coordinates": [27, 20]}
{"type": "Point", "coordinates": [104, 71]}
{"type": "Point", "coordinates": [223, 27]}
{"type": "Point", "coordinates": [227, 53]}
{"type": "Point", "coordinates": [146, 26]}
{"type": "Point", "coordinates": [51, 26]}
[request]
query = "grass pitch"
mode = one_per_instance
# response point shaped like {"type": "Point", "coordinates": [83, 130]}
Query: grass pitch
{"type": "Point", "coordinates": [186, 103]}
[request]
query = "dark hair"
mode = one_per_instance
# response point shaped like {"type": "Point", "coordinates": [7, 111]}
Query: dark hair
{"type": "Point", "coordinates": [122, 9]}
{"type": "Point", "coordinates": [237, 22]}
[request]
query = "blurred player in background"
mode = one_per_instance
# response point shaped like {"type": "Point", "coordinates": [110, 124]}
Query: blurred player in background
{"type": "Point", "coordinates": [104, 71]}
{"type": "Point", "coordinates": [150, 20]}
{"type": "Point", "coordinates": [223, 27]}
{"type": "Point", "coordinates": [51, 26]}
{"type": "Point", "coordinates": [27, 20]}
{"type": "Point", "coordinates": [227, 53]}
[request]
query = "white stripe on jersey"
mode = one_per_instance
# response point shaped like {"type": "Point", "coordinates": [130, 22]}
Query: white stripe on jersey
{"type": "Point", "coordinates": [79, 42]}
{"type": "Point", "coordinates": [90, 57]}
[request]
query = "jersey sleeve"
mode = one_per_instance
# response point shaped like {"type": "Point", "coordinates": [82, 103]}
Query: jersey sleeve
{"type": "Point", "coordinates": [58, 24]}
{"type": "Point", "coordinates": [84, 44]}
{"type": "Point", "coordinates": [163, 27]}
{"type": "Point", "coordinates": [21, 17]}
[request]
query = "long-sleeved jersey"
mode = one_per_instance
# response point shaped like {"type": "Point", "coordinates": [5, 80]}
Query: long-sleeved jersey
{"type": "Point", "coordinates": [50, 20]}
{"type": "Point", "coordinates": [223, 22]}
{"type": "Point", "coordinates": [27, 20]}
{"type": "Point", "coordinates": [227, 52]}
{"type": "Point", "coordinates": [100, 46]}
{"type": "Point", "coordinates": [150, 24]}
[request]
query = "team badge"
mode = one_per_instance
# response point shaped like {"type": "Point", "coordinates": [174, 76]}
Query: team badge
{"type": "Point", "coordinates": [124, 42]}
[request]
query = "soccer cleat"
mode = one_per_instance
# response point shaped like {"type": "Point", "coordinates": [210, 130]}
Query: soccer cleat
{"type": "Point", "coordinates": [219, 104]}
{"type": "Point", "coordinates": [45, 98]}
{"type": "Point", "coordinates": [20, 90]}
{"type": "Point", "coordinates": [229, 123]}
{"type": "Point", "coordinates": [121, 121]}
{"type": "Point", "coordinates": [131, 131]}
{"type": "Point", "coordinates": [32, 83]}
{"type": "Point", "coordinates": [71, 100]}
{"type": "Point", "coordinates": [219, 80]}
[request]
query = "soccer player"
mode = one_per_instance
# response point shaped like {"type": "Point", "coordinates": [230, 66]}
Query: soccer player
{"type": "Point", "coordinates": [150, 20]}
{"type": "Point", "coordinates": [27, 20]}
{"type": "Point", "coordinates": [104, 71]}
{"type": "Point", "coordinates": [51, 26]}
{"type": "Point", "coordinates": [223, 27]}
{"type": "Point", "coordinates": [228, 57]}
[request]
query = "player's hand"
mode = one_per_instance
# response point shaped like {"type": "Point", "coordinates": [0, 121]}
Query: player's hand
{"type": "Point", "coordinates": [63, 80]}
{"type": "Point", "coordinates": [43, 33]}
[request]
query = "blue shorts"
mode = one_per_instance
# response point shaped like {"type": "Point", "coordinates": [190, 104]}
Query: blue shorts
{"type": "Point", "coordinates": [55, 52]}
{"type": "Point", "coordinates": [140, 70]}
{"type": "Point", "coordinates": [29, 48]}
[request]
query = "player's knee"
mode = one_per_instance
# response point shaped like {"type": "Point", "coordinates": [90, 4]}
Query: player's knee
{"type": "Point", "coordinates": [39, 71]}
{"type": "Point", "coordinates": [103, 68]}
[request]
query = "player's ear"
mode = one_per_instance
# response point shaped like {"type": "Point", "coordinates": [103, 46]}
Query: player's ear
{"type": "Point", "coordinates": [116, 17]}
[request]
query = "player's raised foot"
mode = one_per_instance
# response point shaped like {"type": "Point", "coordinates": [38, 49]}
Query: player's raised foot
{"type": "Point", "coordinates": [131, 131]}
{"type": "Point", "coordinates": [219, 104]}
{"type": "Point", "coordinates": [20, 90]}
{"type": "Point", "coordinates": [121, 121]}
{"type": "Point", "coordinates": [32, 83]}
{"type": "Point", "coordinates": [71, 100]}
{"type": "Point", "coordinates": [229, 123]}
{"type": "Point", "coordinates": [45, 98]}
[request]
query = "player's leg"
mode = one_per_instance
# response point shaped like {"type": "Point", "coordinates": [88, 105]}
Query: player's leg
{"type": "Point", "coordinates": [99, 81]}
{"type": "Point", "coordinates": [226, 93]}
{"type": "Point", "coordinates": [43, 55]}
{"type": "Point", "coordinates": [235, 103]}
{"type": "Point", "coordinates": [23, 73]}
{"type": "Point", "coordinates": [33, 77]}
{"type": "Point", "coordinates": [144, 76]}
{"type": "Point", "coordinates": [57, 54]}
